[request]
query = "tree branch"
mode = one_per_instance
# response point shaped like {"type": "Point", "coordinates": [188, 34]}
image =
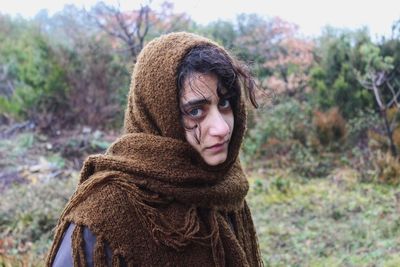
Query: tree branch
{"type": "Point", "coordinates": [114, 22]}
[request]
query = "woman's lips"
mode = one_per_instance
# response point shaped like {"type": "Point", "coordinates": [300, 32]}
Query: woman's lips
{"type": "Point", "coordinates": [217, 147]}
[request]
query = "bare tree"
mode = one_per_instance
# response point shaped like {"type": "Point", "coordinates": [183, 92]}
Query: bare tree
{"type": "Point", "coordinates": [129, 27]}
{"type": "Point", "coordinates": [386, 90]}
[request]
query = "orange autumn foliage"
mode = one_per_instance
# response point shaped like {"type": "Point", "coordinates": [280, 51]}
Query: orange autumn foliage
{"type": "Point", "coordinates": [330, 126]}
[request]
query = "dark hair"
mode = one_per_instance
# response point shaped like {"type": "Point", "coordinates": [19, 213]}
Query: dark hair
{"type": "Point", "coordinates": [232, 75]}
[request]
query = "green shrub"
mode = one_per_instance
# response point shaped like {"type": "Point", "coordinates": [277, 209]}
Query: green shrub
{"type": "Point", "coordinates": [286, 121]}
{"type": "Point", "coordinates": [306, 163]}
{"type": "Point", "coordinates": [333, 79]}
{"type": "Point", "coordinates": [39, 80]}
{"type": "Point", "coordinates": [358, 125]}
{"type": "Point", "coordinates": [57, 83]}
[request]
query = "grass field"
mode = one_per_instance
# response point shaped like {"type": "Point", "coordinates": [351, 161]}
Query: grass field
{"type": "Point", "coordinates": [332, 221]}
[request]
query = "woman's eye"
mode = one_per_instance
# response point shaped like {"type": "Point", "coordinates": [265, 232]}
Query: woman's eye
{"type": "Point", "coordinates": [224, 103]}
{"type": "Point", "coordinates": [196, 112]}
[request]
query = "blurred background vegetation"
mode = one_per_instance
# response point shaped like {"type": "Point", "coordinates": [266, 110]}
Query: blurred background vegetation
{"type": "Point", "coordinates": [321, 151]}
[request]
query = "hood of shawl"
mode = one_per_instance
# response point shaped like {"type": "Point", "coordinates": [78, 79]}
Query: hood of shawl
{"type": "Point", "coordinates": [153, 102]}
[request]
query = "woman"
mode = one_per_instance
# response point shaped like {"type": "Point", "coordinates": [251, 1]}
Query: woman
{"type": "Point", "coordinates": [170, 191]}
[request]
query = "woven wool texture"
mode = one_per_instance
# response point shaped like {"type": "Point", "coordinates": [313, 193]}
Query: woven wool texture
{"type": "Point", "coordinates": [151, 197]}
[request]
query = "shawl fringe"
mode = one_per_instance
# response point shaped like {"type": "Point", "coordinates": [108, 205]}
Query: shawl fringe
{"type": "Point", "coordinates": [78, 247]}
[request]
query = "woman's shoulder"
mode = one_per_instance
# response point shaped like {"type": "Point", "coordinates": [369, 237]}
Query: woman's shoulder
{"type": "Point", "coordinates": [65, 254]}
{"type": "Point", "coordinates": [100, 204]}
{"type": "Point", "coordinates": [112, 214]}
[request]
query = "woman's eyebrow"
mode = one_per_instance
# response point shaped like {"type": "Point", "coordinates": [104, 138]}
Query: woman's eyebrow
{"type": "Point", "coordinates": [196, 102]}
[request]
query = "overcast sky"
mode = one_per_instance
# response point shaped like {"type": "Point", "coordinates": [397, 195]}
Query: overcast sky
{"type": "Point", "coordinates": [310, 15]}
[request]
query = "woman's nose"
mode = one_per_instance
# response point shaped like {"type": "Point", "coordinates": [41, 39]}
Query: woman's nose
{"type": "Point", "coordinates": [218, 125]}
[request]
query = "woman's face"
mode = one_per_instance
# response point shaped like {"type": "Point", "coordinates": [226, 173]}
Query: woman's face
{"type": "Point", "coordinates": [208, 119]}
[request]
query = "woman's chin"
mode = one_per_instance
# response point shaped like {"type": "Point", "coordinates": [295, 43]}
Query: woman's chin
{"type": "Point", "coordinates": [215, 160]}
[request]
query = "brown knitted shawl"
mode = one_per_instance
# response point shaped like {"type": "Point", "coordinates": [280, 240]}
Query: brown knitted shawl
{"type": "Point", "coordinates": [151, 197]}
